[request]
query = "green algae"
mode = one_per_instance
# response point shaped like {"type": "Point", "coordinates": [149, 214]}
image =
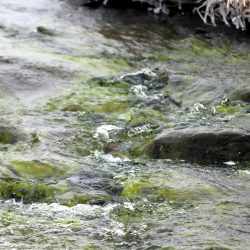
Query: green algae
{"type": "Point", "coordinates": [89, 96]}
{"type": "Point", "coordinates": [146, 116]}
{"type": "Point", "coordinates": [205, 48]}
{"type": "Point", "coordinates": [26, 191]}
{"type": "Point", "coordinates": [174, 188]}
{"type": "Point", "coordinates": [139, 148]}
{"type": "Point", "coordinates": [134, 188]}
{"type": "Point", "coordinates": [229, 109]}
{"type": "Point", "coordinates": [107, 107]}
{"type": "Point", "coordinates": [169, 194]}
{"type": "Point", "coordinates": [127, 215]}
{"type": "Point", "coordinates": [218, 247]}
{"type": "Point", "coordinates": [159, 57]}
{"type": "Point", "coordinates": [35, 169]}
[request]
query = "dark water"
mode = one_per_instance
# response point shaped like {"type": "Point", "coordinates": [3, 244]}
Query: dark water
{"type": "Point", "coordinates": [72, 166]}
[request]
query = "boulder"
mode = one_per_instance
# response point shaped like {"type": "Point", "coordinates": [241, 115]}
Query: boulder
{"type": "Point", "coordinates": [202, 145]}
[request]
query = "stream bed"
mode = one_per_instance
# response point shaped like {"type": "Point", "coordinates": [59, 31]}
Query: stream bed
{"type": "Point", "coordinates": [83, 94]}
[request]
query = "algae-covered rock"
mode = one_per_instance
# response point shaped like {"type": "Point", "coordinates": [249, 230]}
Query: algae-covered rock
{"type": "Point", "coordinates": [202, 145]}
{"type": "Point", "coordinates": [8, 135]}
{"type": "Point", "coordinates": [26, 191]}
{"type": "Point", "coordinates": [35, 169]}
{"type": "Point", "coordinates": [165, 189]}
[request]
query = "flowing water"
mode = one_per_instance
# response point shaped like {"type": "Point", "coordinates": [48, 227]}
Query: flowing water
{"type": "Point", "coordinates": [82, 93]}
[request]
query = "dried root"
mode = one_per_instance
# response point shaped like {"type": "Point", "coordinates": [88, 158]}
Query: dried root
{"type": "Point", "coordinates": [236, 12]}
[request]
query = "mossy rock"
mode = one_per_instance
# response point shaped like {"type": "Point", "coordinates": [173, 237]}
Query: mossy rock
{"type": "Point", "coordinates": [35, 169]}
{"type": "Point", "coordinates": [8, 135]}
{"type": "Point", "coordinates": [26, 191]}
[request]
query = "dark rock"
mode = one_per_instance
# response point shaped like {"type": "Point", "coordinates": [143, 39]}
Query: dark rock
{"type": "Point", "coordinates": [203, 145]}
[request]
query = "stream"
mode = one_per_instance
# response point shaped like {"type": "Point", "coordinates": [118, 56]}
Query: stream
{"type": "Point", "coordinates": [83, 92]}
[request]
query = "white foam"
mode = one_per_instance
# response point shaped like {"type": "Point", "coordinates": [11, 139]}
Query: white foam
{"type": "Point", "coordinates": [102, 131]}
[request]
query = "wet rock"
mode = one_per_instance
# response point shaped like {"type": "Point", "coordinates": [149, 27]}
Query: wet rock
{"type": "Point", "coordinates": [8, 135]}
{"type": "Point", "coordinates": [146, 77]}
{"type": "Point", "coordinates": [210, 90]}
{"type": "Point", "coordinates": [202, 145]}
{"type": "Point", "coordinates": [94, 187]}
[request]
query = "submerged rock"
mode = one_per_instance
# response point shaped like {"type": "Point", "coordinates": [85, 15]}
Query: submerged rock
{"type": "Point", "coordinates": [91, 187]}
{"type": "Point", "coordinates": [8, 135]}
{"type": "Point", "coordinates": [202, 145]}
{"type": "Point", "coordinates": [44, 31]}
{"type": "Point", "coordinates": [242, 94]}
